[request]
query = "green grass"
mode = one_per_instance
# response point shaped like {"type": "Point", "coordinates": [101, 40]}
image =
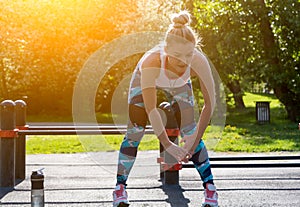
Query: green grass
{"type": "Point", "coordinates": [251, 138]}
{"type": "Point", "coordinates": [47, 144]}
{"type": "Point", "coordinates": [241, 134]}
{"type": "Point", "coordinates": [53, 144]}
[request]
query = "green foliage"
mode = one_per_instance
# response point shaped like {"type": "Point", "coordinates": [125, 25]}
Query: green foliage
{"type": "Point", "coordinates": [231, 37]}
{"type": "Point", "coordinates": [237, 39]}
{"type": "Point", "coordinates": [284, 65]}
{"type": "Point", "coordinates": [44, 45]}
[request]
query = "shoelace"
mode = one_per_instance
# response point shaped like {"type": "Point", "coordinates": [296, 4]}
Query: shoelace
{"type": "Point", "coordinates": [119, 193]}
{"type": "Point", "coordinates": [210, 194]}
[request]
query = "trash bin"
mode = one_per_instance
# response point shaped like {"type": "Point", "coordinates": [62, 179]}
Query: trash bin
{"type": "Point", "coordinates": [263, 112]}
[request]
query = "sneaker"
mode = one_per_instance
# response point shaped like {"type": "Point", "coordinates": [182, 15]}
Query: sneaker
{"type": "Point", "coordinates": [210, 196]}
{"type": "Point", "coordinates": [120, 196]}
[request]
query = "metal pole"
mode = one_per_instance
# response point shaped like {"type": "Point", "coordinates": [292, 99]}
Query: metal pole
{"type": "Point", "coordinates": [7, 144]}
{"type": "Point", "coordinates": [21, 139]}
{"type": "Point", "coordinates": [169, 175]}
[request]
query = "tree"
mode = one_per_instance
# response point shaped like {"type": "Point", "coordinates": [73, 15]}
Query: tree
{"type": "Point", "coordinates": [149, 16]}
{"type": "Point", "coordinates": [254, 41]}
{"type": "Point", "coordinates": [43, 52]}
{"type": "Point", "coordinates": [44, 45]}
{"type": "Point", "coordinates": [280, 29]}
{"type": "Point", "coordinates": [230, 40]}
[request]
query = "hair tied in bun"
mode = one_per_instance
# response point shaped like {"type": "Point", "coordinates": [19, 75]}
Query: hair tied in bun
{"type": "Point", "coordinates": [181, 19]}
{"type": "Point", "coordinates": [178, 25]}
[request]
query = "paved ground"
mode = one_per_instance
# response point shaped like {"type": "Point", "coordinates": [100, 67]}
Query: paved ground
{"type": "Point", "coordinates": [87, 180]}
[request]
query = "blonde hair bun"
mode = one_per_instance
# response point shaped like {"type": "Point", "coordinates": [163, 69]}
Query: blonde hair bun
{"type": "Point", "coordinates": [181, 19]}
{"type": "Point", "coordinates": [180, 27]}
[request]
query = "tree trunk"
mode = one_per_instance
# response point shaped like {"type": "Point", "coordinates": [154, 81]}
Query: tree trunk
{"type": "Point", "coordinates": [235, 87]}
{"type": "Point", "coordinates": [290, 100]}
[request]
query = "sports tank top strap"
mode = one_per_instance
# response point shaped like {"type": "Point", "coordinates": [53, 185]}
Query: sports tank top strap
{"type": "Point", "coordinates": [163, 81]}
{"type": "Point", "coordinates": [162, 58]}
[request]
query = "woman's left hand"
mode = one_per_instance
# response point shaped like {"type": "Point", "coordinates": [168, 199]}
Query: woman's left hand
{"type": "Point", "coordinates": [189, 145]}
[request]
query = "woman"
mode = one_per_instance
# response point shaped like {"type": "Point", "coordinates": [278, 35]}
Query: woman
{"type": "Point", "coordinates": [168, 67]}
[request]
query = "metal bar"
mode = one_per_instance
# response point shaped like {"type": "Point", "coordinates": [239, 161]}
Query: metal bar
{"type": "Point", "coordinates": [80, 127]}
{"type": "Point", "coordinates": [52, 127]}
{"type": "Point", "coordinates": [247, 165]}
{"type": "Point", "coordinates": [227, 165]}
{"type": "Point", "coordinates": [76, 132]}
{"type": "Point", "coordinates": [249, 158]}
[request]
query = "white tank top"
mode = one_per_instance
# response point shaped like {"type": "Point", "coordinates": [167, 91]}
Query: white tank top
{"type": "Point", "coordinates": [165, 82]}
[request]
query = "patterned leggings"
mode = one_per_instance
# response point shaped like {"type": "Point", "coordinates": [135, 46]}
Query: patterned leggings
{"type": "Point", "coordinates": [182, 102]}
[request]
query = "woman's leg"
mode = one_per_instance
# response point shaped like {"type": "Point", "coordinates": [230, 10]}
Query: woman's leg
{"type": "Point", "coordinates": [184, 113]}
{"type": "Point", "coordinates": [202, 164]}
{"type": "Point", "coordinates": [128, 150]}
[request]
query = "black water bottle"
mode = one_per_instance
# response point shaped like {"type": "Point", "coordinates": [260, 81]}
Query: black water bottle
{"type": "Point", "coordinates": [37, 189]}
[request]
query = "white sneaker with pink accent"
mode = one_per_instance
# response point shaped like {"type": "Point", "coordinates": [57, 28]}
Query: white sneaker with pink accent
{"type": "Point", "coordinates": [210, 196]}
{"type": "Point", "coordinates": [120, 196]}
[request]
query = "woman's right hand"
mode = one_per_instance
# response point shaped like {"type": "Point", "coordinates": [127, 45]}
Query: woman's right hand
{"type": "Point", "coordinates": [177, 152]}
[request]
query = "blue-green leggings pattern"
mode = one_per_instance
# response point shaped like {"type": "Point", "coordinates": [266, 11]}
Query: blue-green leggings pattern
{"type": "Point", "coordinates": [182, 101]}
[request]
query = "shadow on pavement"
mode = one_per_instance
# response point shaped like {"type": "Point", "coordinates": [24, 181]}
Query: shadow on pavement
{"type": "Point", "coordinates": [4, 191]}
{"type": "Point", "coordinates": [175, 195]}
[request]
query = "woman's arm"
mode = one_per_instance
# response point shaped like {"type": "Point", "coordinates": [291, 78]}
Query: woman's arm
{"type": "Point", "coordinates": [202, 70]}
{"type": "Point", "coordinates": [149, 72]}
